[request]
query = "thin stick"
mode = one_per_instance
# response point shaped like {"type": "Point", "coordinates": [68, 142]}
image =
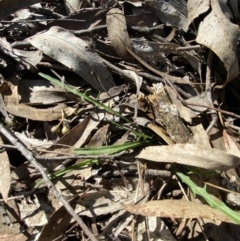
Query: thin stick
{"type": "Point", "coordinates": [213, 108]}
{"type": "Point", "coordinates": [30, 157]}
{"type": "Point", "coordinates": [209, 92]}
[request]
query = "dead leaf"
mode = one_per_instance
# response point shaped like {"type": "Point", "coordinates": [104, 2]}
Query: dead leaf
{"type": "Point", "coordinates": [35, 211]}
{"type": "Point", "coordinates": [32, 57]}
{"type": "Point", "coordinates": [143, 19]}
{"type": "Point", "coordinates": [13, 237]}
{"type": "Point", "coordinates": [71, 179]}
{"type": "Point", "coordinates": [192, 155]}
{"type": "Point", "coordinates": [196, 8]}
{"type": "Point", "coordinates": [200, 99]}
{"type": "Point", "coordinates": [138, 79]}
{"type": "Point", "coordinates": [58, 223]}
{"type": "Point", "coordinates": [230, 145]}
{"type": "Point", "coordinates": [12, 211]}
{"type": "Point", "coordinates": [177, 209]}
{"type": "Point", "coordinates": [5, 176]}
{"type": "Point", "coordinates": [99, 137]}
{"type": "Point", "coordinates": [158, 230]}
{"type": "Point", "coordinates": [217, 33]}
{"type": "Point", "coordinates": [117, 31]}
{"type": "Point", "coordinates": [75, 138]}
{"type": "Point", "coordinates": [185, 113]}
{"type": "Point", "coordinates": [156, 128]}
{"type": "Point", "coordinates": [200, 137]}
{"type": "Point", "coordinates": [103, 202]}
{"type": "Point", "coordinates": [47, 114]}
{"type": "Point", "coordinates": [40, 91]}
{"type": "Point", "coordinates": [170, 13]}
{"type": "Point", "coordinates": [154, 50]}
{"type": "Point", "coordinates": [76, 54]}
{"type": "Point", "coordinates": [72, 6]}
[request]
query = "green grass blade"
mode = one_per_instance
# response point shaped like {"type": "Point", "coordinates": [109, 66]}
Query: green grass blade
{"type": "Point", "coordinates": [210, 199]}
{"type": "Point", "coordinates": [106, 150]}
{"type": "Point", "coordinates": [68, 169]}
{"type": "Point", "coordinates": [83, 96]}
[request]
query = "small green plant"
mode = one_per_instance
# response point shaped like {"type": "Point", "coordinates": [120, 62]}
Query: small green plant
{"type": "Point", "coordinates": [96, 103]}
{"type": "Point", "coordinates": [84, 96]}
{"type": "Point", "coordinates": [102, 150]}
{"type": "Point", "coordinates": [107, 150]}
{"type": "Point", "coordinates": [142, 138]}
{"type": "Point", "coordinates": [65, 170]}
{"type": "Point", "coordinates": [210, 199]}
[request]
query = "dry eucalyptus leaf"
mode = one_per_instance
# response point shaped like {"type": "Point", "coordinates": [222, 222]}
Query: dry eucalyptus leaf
{"type": "Point", "coordinates": [153, 49]}
{"type": "Point", "coordinates": [201, 99]}
{"type": "Point", "coordinates": [72, 6]}
{"type": "Point", "coordinates": [35, 211]}
{"type": "Point", "coordinates": [98, 203]}
{"type": "Point", "coordinates": [47, 114]}
{"type": "Point", "coordinates": [5, 176]}
{"type": "Point", "coordinates": [138, 79]}
{"type": "Point", "coordinates": [142, 121]}
{"type": "Point", "coordinates": [58, 223]}
{"type": "Point", "coordinates": [32, 57]}
{"type": "Point", "coordinates": [216, 138]}
{"type": "Point", "coordinates": [99, 137]}
{"type": "Point", "coordinates": [185, 112]}
{"type": "Point", "coordinates": [13, 214]}
{"type": "Point", "coordinates": [117, 31]}
{"type": "Point", "coordinates": [218, 34]}
{"type": "Point", "coordinates": [77, 136]}
{"type": "Point", "coordinates": [192, 155]}
{"type": "Point", "coordinates": [13, 237]}
{"type": "Point", "coordinates": [196, 8]}
{"type": "Point", "coordinates": [76, 54]}
{"type": "Point", "coordinates": [158, 230]}
{"type": "Point", "coordinates": [31, 142]}
{"type": "Point", "coordinates": [171, 12]}
{"type": "Point", "coordinates": [40, 91]}
{"type": "Point", "coordinates": [177, 209]}
{"type": "Point", "coordinates": [200, 136]}
{"type": "Point", "coordinates": [230, 145]}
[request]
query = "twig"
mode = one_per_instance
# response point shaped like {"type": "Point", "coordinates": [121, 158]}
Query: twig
{"type": "Point", "coordinates": [154, 78]}
{"type": "Point", "coordinates": [97, 28]}
{"type": "Point", "coordinates": [30, 157]}
{"type": "Point", "coordinates": [213, 108]}
{"type": "Point", "coordinates": [119, 71]}
{"type": "Point", "coordinates": [209, 91]}
{"type": "Point", "coordinates": [146, 30]}
{"type": "Point", "coordinates": [41, 20]}
{"type": "Point", "coordinates": [89, 31]}
{"type": "Point", "coordinates": [171, 78]}
{"type": "Point", "coordinates": [14, 198]}
{"type": "Point", "coordinates": [60, 158]}
{"type": "Point", "coordinates": [46, 12]}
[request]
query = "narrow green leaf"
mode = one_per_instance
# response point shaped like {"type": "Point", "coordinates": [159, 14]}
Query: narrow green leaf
{"type": "Point", "coordinates": [105, 150]}
{"type": "Point", "coordinates": [68, 169]}
{"type": "Point", "coordinates": [210, 199]}
{"type": "Point", "coordinates": [83, 96]}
